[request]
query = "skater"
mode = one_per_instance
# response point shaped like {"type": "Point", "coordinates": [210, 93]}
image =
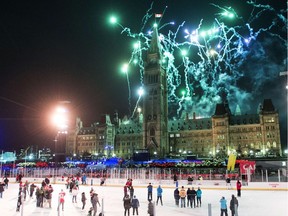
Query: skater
{"type": "Point", "coordinates": [135, 205]}
{"type": "Point", "coordinates": [2, 185]}
{"type": "Point", "coordinates": [32, 188]}
{"type": "Point", "coordinates": [102, 181]}
{"type": "Point", "coordinates": [131, 192]}
{"type": "Point", "coordinates": [150, 189]}
{"type": "Point", "coordinates": [19, 200]}
{"type": "Point", "coordinates": [189, 196]}
{"type": "Point", "coordinates": [74, 194]}
{"type": "Point", "coordinates": [95, 200]}
{"type": "Point", "coordinates": [176, 197]}
{"type": "Point", "coordinates": [238, 186]}
{"type": "Point", "coordinates": [39, 196]}
{"type": "Point", "coordinates": [61, 200]}
{"type": "Point", "coordinates": [193, 198]}
{"type": "Point", "coordinates": [228, 183]}
{"type": "Point", "coordinates": [223, 206]}
{"type": "Point", "coordinates": [234, 205]}
{"type": "Point", "coordinates": [150, 208]}
{"type": "Point", "coordinates": [159, 195]}
{"type": "Point", "coordinates": [127, 205]}
{"type": "Point", "coordinates": [48, 194]}
{"type": "Point", "coordinates": [6, 180]}
{"type": "Point", "coordinates": [182, 194]}
{"type": "Point", "coordinates": [83, 200]}
{"type": "Point", "coordinates": [198, 196]}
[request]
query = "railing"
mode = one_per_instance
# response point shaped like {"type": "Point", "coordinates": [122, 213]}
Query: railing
{"type": "Point", "coordinates": [271, 175]}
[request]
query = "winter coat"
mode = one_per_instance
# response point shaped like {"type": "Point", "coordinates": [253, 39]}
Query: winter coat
{"type": "Point", "coordinates": [223, 203]}
{"type": "Point", "coordinates": [233, 202]}
{"type": "Point", "coordinates": [1, 187]}
{"type": "Point", "coordinates": [238, 185]}
{"type": "Point", "coordinates": [135, 203]}
{"type": "Point", "coordinates": [176, 194]}
{"type": "Point", "coordinates": [150, 208]}
{"type": "Point", "coordinates": [83, 197]}
{"type": "Point", "coordinates": [150, 188]}
{"type": "Point", "coordinates": [182, 193]}
{"type": "Point", "coordinates": [159, 191]}
{"type": "Point", "coordinates": [199, 193]}
{"type": "Point", "coordinates": [127, 202]}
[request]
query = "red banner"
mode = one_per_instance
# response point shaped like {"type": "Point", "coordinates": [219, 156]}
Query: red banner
{"type": "Point", "coordinates": [246, 166]}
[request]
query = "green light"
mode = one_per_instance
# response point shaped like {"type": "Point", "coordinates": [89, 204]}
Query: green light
{"type": "Point", "coordinates": [183, 92]}
{"type": "Point", "coordinates": [184, 52]}
{"type": "Point", "coordinates": [124, 68]}
{"type": "Point", "coordinates": [155, 25]}
{"type": "Point", "coordinates": [113, 19]}
{"type": "Point", "coordinates": [136, 45]}
{"type": "Point", "coordinates": [135, 61]}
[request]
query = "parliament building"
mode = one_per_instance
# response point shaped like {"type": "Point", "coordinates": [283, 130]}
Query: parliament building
{"type": "Point", "coordinates": [249, 135]}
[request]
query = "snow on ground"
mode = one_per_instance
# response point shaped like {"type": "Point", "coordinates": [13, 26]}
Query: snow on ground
{"type": "Point", "coordinates": [252, 202]}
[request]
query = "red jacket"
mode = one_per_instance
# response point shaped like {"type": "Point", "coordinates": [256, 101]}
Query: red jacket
{"type": "Point", "coordinates": [238, 185]}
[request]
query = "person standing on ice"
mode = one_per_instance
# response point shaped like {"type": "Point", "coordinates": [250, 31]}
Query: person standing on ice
{"type": "Point", "coordinates": [135, 205]}
{"type": "Point", "coordinates": [150, 190]}
{"type": "Point", "coordinates": [199, 195]}
{"type": "Point", "coordinates": [182, 194]}
{"type": "Point", "coordinates": [127, 205]}
{"type": "Point", "coordinates": [6, 180]}
{"type": "Point", "coordinates": [176, 197]}
{"type": "Point", "coordinates": [95, 200]}
{"type": "Point", "coordinates": [223, 206]}
{"type": "Point", "coordinates": [233, 205]}
{"type": "Point", "coordinates": [159, 195]}
{"type": "Point", "coordinates": [238, 186]}
{"type": "Point", "coordinates": [150, 208]}
{"type": "Point", "coordinates": [61, 200]}
{"type": "Point", "coordinates": [83, 200]}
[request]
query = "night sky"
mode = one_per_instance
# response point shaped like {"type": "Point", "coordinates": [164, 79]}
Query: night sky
{"type": "Point", "coordinates": [66, 50]}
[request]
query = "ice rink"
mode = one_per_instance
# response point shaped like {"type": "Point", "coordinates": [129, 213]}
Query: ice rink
{"type": "Point", "coordinates": [252, 202]}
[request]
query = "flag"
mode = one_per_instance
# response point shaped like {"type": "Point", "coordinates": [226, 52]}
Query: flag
{"type": "Point", "coordinates": [231, 162]}
{"type": "Point", "coordinates": [158, 15]}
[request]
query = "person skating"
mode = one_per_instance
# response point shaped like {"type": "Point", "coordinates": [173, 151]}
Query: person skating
{"type": "Point", "coordinates": [223, 206]}
{"type": "Point", "coordinates": [176, 197]}
{"type": "Point", "coordinates": [150, 190]}
{"type": "Point", "coordinates": [135, 205]}
{"type": "Point", "coordinates": [32, 188]}
{"type": "Point", "coordinates": [193, 198]}
{"type": "Point", "coordinates": [95, 201]}
{"type": "Point", "coordinates": [182, 194]}
{"type": "Point", "coordinates": [228, 183]}
{"type": "Point", "coordinates": [83, 200]}
{"type": "Point", "coordinates": [150, 208]}
{"type": "Point", "coordinates": [75, 191]}
{"type": "Point", "coordinates": [19, 200]}
{"type": "Point", "coordinates": [2, 185]}
{"type": "Point", "coordinates": [127, 205]}
{"type": "Point", "coordinates": [6, 181]}
{"type": "Point", "coordinates": [159, 195]}
{"type": "Point", "coordinates": [188, 192]}
{"type": "Point", "coordinates": [234, 205]}
{"type": "Point", "coordinates": [61, 200]}
{"type": "Point", "coordinates": [199, 197]}
{"type": "Point", "coordinates": [238, 186]}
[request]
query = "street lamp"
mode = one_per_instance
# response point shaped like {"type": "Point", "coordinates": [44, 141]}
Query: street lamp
{"type": "Point", "coordinates": [60, 120]}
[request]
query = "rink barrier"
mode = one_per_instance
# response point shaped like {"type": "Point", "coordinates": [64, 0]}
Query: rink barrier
{"type": "Point", "coordinates": [205, 184]}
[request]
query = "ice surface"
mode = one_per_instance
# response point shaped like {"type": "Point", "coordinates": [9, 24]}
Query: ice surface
{"type": "Point", "coordinates": [252, 202]}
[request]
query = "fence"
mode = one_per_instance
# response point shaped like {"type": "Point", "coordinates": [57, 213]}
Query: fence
{"type": "Point", "coordinates": [263, 175]}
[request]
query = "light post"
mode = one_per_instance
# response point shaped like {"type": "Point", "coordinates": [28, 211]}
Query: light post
{"type": "Point", "coordinates": [60, 120]}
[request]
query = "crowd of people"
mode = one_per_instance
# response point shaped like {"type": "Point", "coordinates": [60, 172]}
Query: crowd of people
{"type": "Point", "coordinates": [43, 194]}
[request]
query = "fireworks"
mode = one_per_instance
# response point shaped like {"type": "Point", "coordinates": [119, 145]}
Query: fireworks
{"type": "Point", "coordinates": [207, 65]}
